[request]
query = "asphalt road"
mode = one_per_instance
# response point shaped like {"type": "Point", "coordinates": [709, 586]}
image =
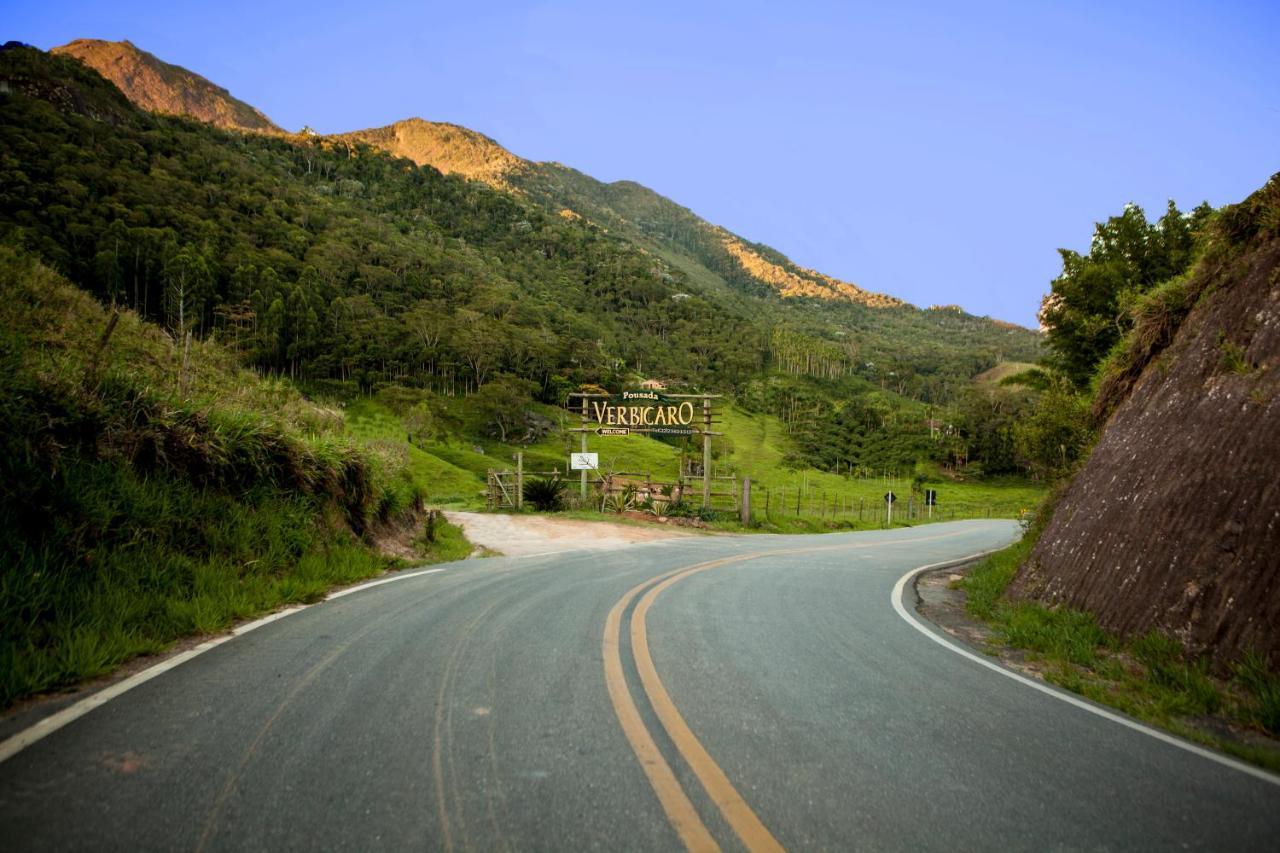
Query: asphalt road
{"type": "Point", "coordinates": [736, 692]}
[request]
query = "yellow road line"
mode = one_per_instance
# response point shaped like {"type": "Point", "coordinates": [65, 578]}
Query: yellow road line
{"type": "Point", "coordinates": [680, 812]}
{"type": "Point", "coordinates": [744, 821]}
{"type": "Point", "coordinates": [675, 802]}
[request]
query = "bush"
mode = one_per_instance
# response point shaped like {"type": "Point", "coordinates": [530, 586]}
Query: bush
{"type": "Point", "coordinates": [546, 494]}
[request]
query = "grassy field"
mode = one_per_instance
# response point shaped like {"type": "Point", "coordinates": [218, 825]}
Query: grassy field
{"type": "Point", "coordinates": [1148, 677]}
{"type": "Point", "coordinates": [1002, 371]}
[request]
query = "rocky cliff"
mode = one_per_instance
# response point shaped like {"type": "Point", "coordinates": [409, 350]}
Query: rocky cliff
{"type": "Point", "coordinates": [1174, 521]}
{"type": "Point", "coordinates": [160, 87]}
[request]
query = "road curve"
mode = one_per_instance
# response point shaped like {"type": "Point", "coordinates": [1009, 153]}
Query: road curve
{"type": "Point", "coordinates": [720, 692]}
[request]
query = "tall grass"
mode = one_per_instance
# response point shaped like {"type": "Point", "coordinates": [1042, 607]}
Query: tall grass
{"type": "Point", "coordinates": [127, 563]}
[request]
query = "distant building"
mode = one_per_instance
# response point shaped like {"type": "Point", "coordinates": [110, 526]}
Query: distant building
{"type": "Point", "coordinates": [653, 385]}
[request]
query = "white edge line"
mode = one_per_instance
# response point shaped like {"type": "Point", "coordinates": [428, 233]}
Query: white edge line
{"type": "Point", "coordinates": [914, 622]}
{"type": "Point", "coordinates": [340, 593]}
{"type": "Point", "coordinates": [14, 744]}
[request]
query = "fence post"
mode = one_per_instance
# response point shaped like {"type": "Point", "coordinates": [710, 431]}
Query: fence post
{"type": "Point", "coordinates": [520, 480]}
{"type": "Point", "coordinates": [746, 500]}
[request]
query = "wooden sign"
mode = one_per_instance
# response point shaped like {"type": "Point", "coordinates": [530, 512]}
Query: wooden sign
{"type": "Point", "coordinates": [643, 411]}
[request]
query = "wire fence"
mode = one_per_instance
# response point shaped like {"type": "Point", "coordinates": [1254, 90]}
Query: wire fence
{"type": "Point", "coordinates": [781, 504]}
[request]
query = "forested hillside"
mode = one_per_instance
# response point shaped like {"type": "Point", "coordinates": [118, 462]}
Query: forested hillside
{"type": "Point", "coordinates": [327, 260]}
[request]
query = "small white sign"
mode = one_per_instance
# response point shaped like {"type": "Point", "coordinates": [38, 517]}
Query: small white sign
{"type": "Point", "coordinates": [584, 461]}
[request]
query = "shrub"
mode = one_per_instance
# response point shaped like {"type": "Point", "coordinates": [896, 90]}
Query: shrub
{"type": "Point", "coordinates": [546, 494]}
{"type": "Point", "coordinates": [1263, 687]}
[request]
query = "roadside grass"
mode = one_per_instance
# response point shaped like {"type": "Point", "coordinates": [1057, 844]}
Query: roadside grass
{"type": "Point", "coordinates": [756, 445]}
{"type": "Point", "coordinates": [150, 492]}
{"type": "Point", "coordinates": [157, 559]}
{"type": "Point", "coordinates": [450, 544]}
{"type": "Point", "coordinates": [1148, 677]}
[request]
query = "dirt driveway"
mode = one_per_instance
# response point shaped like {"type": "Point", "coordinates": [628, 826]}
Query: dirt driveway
{"type": "Point", "coordinates": [523, 535]}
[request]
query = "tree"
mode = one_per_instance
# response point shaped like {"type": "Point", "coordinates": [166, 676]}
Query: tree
{"type": "Point", "coordinates": [1057, 433]}
{"type": "Point", "coordinates": [503, 405]}
{"type": "Point", "coordinates": [188, 283]}
{"type": "Point", "coordinates": [1086, 310]}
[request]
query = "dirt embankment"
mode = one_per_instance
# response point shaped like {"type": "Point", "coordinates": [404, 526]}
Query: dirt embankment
{"type": "Point", "coordinates": [1174, 521]}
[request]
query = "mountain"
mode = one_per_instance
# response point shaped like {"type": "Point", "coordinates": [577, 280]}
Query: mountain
{"type": "Point", "coordinates": [666, 228]}
{"type": "Point", "coordinates": [708, 253]}
{"type": "Point", "coordinates": [157, 86]}
{"type": "Point", "coordinates": [329, 260]}
{"type": "Point", "coordinates": [1173, 523]}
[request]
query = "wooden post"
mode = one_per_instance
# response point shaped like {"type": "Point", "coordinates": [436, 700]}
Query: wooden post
{"type": "Point", "coordinates": [746, 500]}
{"type": "Point", "coordinates": [797, 502]}
{"type": "Point", "coordinates": [520, 480]}
{"type": "Point", "coordinates": [584, 449]}
{"type": "Point", "coordinates": [706, 451]}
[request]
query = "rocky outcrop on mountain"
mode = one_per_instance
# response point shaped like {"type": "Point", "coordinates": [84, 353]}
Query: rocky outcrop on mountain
{"type": "Point", "coordinates": [160, 87]}
{"type": "Point", "coordinates": [1173, 523]}
{"type": "Point", "coordinates": [446, 147]}
{"type": "Point", "coordinates": [620, 206]}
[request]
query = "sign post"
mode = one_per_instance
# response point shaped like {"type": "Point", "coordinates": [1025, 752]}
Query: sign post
{"type": "Point", "coordinates": [930, 499]}
{"type": "Point", "coordinates": [649, 412]}
{"type": "Point", "coordinates": [584, 448]}
{"type": "Point", "coordinates": [889, 498]}
{"type": "Point", "coordinates": [706, 452]}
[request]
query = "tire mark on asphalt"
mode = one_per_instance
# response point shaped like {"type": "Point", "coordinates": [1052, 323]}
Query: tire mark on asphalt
{"type": "Point", "coordinates": [442, 730]}
{"type": "Point", "coordinates": [233, 778]}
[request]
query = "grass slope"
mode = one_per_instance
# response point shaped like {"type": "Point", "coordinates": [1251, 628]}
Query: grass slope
{"type": "Point", "coordinates": [450, 470]}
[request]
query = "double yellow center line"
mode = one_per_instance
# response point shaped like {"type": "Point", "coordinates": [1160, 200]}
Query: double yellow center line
{"type": "Point", "coordinates": [675, 802]}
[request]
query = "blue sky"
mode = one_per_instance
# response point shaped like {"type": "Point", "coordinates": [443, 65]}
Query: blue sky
{"type": "Point", "coordinates": [940, 152]}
